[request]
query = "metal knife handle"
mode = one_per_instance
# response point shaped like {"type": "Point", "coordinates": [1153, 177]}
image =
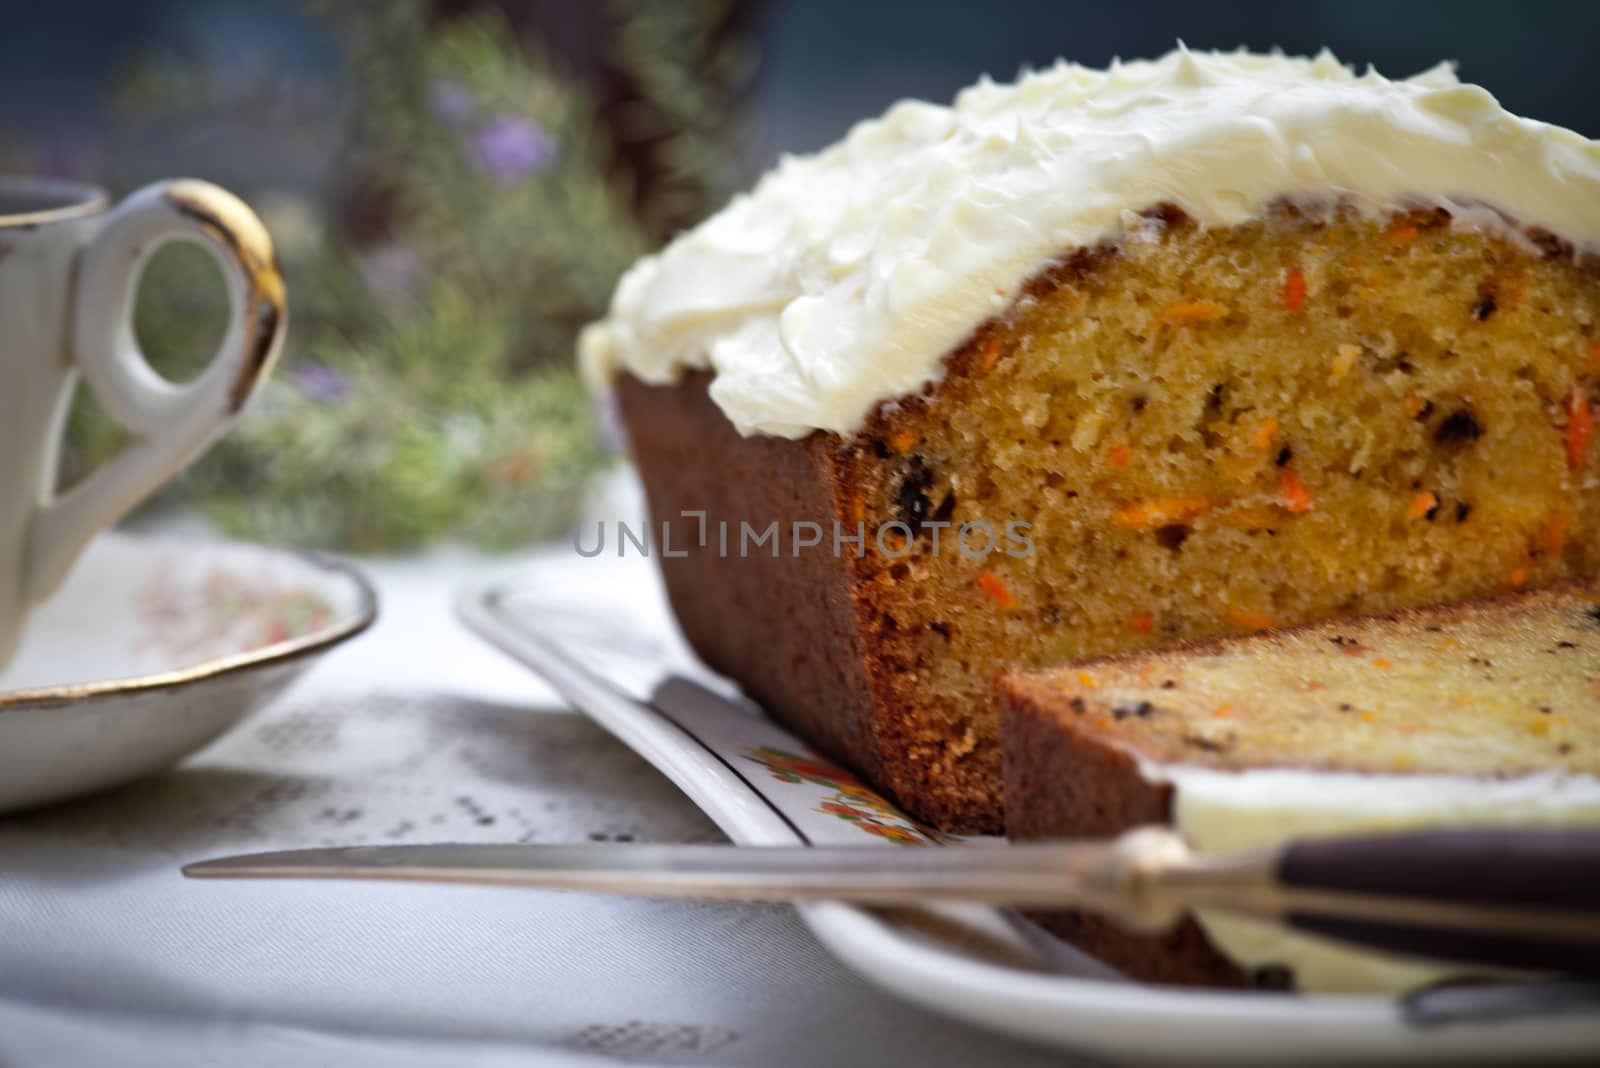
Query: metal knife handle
{"type": "Point", "coordinates": [1525, 899]}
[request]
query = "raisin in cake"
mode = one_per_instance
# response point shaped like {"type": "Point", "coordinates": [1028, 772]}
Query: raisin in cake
{"type": "Point", "coordinates": [1480, 713]}
{"type": "Point", "coordinates": [1181, 349]}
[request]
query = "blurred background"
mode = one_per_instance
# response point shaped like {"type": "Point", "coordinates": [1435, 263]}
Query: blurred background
{"type": "Point", "coordinates": [454, 186]}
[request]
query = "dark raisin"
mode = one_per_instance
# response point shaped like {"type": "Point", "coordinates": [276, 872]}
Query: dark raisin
{"type": "Point", "coordinates": [1121, 712]}
{"type": "Point", "coordinates": [1172, 536]}
{"type": "Point", "coordinates": [1285, 454]}
{"type": "Point", "coordinates": [1564, 748]}
{"type": "Point", "coordinates": [1548, 243]}
{"type": "Point", "coordinates": [1137, 403]}
{"type": "Point", "coordinates": [941, 629]}
{"type": "Point", "coordinates": [1485, 307]}
{"type": "Point", "coordinates": [1463, 509]}
{"type": "Point", "coordinates": [1566, 645]}
{"type": "Point", "coordinates": [1077, 705]}
{"type": "Point", "coordinates": [1425, 412]}
{"type": "Point", "coordinates": [1432, 513]}
{"type": "Point", "coordinates": [1459, 427]}
{"type": "Point", "coordinates": [1545, 709]}
{"type": "Point", "coordinates": [912, 498]}
{"type": "Point", "coordinates": [1169, 684]}
{"type": "Point", "coordinates": [1594, 615]}
{"type": "Point", "coordinates": [1345, 707]}
{"type": "Point", "coordinates": [1143, 709]}
{"type": "Point", "coordinates": [880, 449]}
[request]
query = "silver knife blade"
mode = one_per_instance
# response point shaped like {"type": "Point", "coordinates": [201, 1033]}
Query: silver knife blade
{"type": "Point", "coordinates": [1038, 875]}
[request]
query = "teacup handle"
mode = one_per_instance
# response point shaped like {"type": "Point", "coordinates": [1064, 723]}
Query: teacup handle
{"type": "Point", "coordinates": [171, 424]}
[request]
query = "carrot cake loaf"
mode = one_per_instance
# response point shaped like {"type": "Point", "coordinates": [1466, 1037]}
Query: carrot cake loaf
{"type": "Point", "coordinates": [1479, 714]}
{"type": "Point", "coordinates": [1104, 360]}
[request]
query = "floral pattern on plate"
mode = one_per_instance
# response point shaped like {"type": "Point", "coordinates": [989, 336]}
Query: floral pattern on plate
{"type": "Point", "coordinates": [852, 800]}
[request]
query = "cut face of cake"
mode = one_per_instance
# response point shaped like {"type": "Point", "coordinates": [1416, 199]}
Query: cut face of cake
{"type": "Point", "coordinates": [1105, 360]}
{"type": "Point", "coordinates": [1478, 714]}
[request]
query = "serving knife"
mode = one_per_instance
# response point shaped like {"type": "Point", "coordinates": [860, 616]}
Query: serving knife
{"type": "Point", "coordinates": [1524, 899]}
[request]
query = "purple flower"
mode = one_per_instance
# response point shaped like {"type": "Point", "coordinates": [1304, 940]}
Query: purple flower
{"type": "Point", "coordinates": [512, 148]}
{"type": "Point", "coordinates": [452, 102]}
{"type": "Point", "coordinates": [320, 382]}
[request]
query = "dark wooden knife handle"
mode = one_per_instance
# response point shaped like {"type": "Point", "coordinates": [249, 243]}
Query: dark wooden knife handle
{"type": "Point", "coordinates": [1532, 870]}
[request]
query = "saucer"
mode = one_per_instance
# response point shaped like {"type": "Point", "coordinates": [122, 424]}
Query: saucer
{"type": "Point", "coordinates": [155, 645]}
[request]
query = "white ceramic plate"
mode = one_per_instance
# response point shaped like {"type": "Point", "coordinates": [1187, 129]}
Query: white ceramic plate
{"type": "Point", "coordinates": [153, 647]}
{"type": "Point", "coordinates": [603, 640]}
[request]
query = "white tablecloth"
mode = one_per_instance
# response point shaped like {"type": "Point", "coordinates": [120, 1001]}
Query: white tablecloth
{"type": "Point", "coordinates": [414, 732]}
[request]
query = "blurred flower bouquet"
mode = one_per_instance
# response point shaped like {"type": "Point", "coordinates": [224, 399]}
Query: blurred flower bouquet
{"type": "Point", "coordinates": [427, 390]}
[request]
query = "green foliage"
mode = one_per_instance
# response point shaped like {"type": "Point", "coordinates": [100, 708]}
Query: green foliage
{"type": "Point", "coordinates": [427, 388]}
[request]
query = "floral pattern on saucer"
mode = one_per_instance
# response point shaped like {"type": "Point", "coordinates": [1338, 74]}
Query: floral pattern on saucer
{"type": "Point", "coordinates": [224, 609]}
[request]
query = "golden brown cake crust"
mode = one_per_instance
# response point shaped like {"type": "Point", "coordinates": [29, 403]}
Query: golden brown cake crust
{"type": "Point", "coordinates": [790, 629]}
{"type": "Point", "coordinates": [784, 627]}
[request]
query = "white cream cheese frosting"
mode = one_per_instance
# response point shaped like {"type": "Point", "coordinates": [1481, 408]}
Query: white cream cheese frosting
{"type": "Point", "coordinates": [1222, 811]}
{"type": "Point", "coordinates": [844, 277]}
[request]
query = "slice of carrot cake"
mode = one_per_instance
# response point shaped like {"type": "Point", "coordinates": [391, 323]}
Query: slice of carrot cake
{"type": "Point", "coordinates": [1479, 714]}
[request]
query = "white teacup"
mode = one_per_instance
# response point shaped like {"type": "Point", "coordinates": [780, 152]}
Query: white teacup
{"type": "Point", "coordinates": [69, 270]}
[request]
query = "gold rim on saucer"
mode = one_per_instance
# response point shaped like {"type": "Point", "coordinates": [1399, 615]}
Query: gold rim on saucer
{"type": "Point", "coordinates": [364, 616]}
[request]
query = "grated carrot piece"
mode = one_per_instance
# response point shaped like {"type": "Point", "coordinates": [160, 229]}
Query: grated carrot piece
{"type": "Point", "coordinates": [1160, 511]}
{"type": "Point", "coordinates": [1265, 435]}
{"type": "Point", "coordinates": [1553, 535]}
{"type": "Point", "coordinates": [996, 588]}
{"type": "Point", "coordinates": [1517, 578]}
{"type": "Point", "coordinates": [1193, 311]}
{"type": "Point", "coordinates": [1401, 235]}
{"type": "Point", "coordinates": [1248, 619]}
{"type": "Point", "coordinates": [1292, 492]}
{"type": "Point", "coordinates": [1141, 622]}
{"type": "Point", "coordinates": [1221, 712]}
{"type": "Point", "coordinates": [1380, 662]}
{"type": "Point", "coordinates": [1294, 290]}
{"type": "Point", "coordinates": [1422, 504]}
{"type": "Point", "coordinates": [1414, 405]}
{"type": "Point", "coordinates": [1580, 427]}
{"type": "Point", "coordinates": [989, 354]}
{"type": "Point", "coordinates": [1086, 679]}
{"type": "Point", "coordinates": [904, 441]}
{"type": "Point", "coordinates": [1368, 716]}
{"type": "Point", "coordinates": [1119, 456]}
